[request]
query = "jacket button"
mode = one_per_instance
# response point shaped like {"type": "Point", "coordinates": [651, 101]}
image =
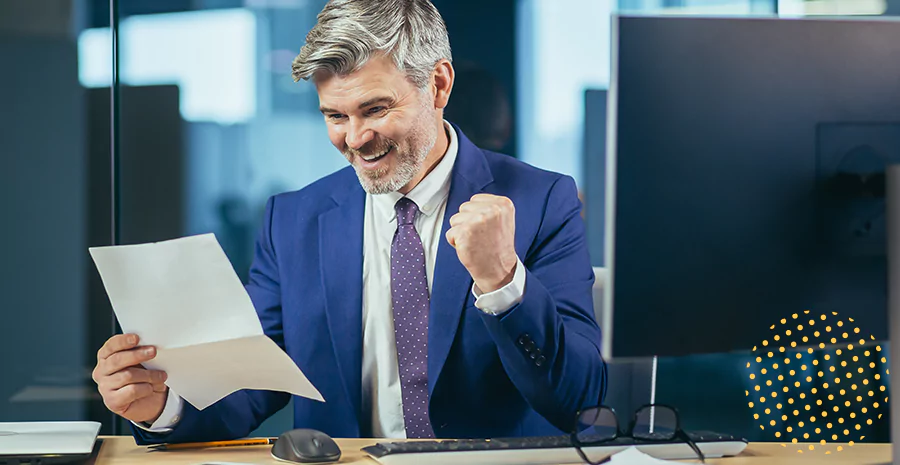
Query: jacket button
{"type": "Point", "coordinates": [523, 339]}
{"type": "Point", "coordinates": [534, 355]}
{"type": "Point", "coordinates": [540, 360]}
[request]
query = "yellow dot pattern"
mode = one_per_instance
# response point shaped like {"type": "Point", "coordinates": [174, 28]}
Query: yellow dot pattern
{"type": "Point", "coordinates": [833, 352]}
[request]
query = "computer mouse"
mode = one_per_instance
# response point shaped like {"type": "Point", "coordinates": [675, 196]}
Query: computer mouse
{"type": "Point", "coordinates": [305, 446]}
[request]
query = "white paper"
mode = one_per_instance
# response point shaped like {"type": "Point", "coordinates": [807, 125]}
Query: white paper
{"type": "Point", "coordinates": [633, 456]}
{"type": "Point", "coordinates": [183, 297]}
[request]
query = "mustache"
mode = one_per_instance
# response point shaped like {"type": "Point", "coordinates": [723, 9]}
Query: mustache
{"type": "Point", "coordinates": [374, 147]}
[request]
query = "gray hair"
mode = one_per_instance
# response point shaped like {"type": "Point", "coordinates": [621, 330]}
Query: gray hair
{"type": "Point", "coordinates": [350, 32]}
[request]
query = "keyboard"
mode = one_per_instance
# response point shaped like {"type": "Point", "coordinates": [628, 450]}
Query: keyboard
{"type": "Point", "coordinates": [549, 450]}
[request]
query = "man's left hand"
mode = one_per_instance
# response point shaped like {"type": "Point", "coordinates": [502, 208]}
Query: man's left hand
{"type": "Point", "coordinates": [483, 233]}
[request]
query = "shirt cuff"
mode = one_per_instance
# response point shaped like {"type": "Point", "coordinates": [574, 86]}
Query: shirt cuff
{"type": "Point", "coordinates": [169, 417]}
{"type": "Point", "coordinates": [505, 298]}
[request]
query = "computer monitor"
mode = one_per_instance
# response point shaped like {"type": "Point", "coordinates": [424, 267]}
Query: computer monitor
{"type": "Point", "coordinates": [745, 177]}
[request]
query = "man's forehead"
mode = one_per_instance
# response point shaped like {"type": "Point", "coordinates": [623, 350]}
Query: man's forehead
{"type": "Point", "coordinates": [353, 93]}
{"type": "Point", "coordinates": [356, 97]}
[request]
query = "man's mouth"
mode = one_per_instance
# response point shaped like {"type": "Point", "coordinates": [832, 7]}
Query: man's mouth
{"type": "Point", "coordinates": [375, 158]}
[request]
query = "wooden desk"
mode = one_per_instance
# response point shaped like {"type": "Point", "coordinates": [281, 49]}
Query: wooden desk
{"type": "Point", "coordinates": [121, 450]}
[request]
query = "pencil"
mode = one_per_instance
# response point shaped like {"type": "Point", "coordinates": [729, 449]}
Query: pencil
{"type": "Point", "coordinates": [202, 445]}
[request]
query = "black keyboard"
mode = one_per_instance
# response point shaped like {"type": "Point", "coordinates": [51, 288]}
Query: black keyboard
{"type": "Point", "coordinates": [542, 450]}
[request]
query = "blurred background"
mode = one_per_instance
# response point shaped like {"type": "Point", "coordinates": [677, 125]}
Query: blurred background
{"type": "Point", "coordinates": [209, 124]}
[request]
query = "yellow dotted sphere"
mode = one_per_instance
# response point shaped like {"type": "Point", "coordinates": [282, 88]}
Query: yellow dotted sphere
{"type": "Point", "coordinates": [853, 394]}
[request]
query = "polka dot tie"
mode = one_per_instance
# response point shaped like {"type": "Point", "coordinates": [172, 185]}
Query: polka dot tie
{"type": "Point", "coordinates": [409, 292]}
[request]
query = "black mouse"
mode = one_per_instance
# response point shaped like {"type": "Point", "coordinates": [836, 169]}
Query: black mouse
{"type": "Point", "coordinates": [305, 446]}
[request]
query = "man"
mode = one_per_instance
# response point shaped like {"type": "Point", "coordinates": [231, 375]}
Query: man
{"type": "Point", "coordinates": [434, 289]}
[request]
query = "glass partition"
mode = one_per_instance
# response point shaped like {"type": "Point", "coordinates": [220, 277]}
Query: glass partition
{"type": "Point", "coordinates": [55, 177]}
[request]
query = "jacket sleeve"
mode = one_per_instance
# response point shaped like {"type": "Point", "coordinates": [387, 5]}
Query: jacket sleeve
{"type": "Point", "coordinates": [239, 413]}
{"type": "Point", "coordinates": [549, 343]}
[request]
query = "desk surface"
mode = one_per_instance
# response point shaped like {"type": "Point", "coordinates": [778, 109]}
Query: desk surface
{"type": "Point", "coordinates": [121, 450]}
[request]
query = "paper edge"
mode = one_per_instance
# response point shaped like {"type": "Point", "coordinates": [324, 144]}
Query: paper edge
{"type": "Point", "coordinates": [203, 405]}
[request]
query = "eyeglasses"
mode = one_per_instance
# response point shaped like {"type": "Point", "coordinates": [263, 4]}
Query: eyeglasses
{"type": "Point", "coordinates": [651, 423]}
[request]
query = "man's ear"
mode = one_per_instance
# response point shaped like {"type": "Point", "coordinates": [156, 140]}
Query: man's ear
{"type": "Point", "coordinates": [442, 79]}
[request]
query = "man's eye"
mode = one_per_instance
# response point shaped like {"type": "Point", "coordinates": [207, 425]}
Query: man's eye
{"type": "Point", "coordinates": [376, 110]}
{"type": "Point", "coordinates": [335, 116]}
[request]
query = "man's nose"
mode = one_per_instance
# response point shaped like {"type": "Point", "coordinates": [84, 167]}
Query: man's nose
{"type": "Point", "coordinates": [358, 134]}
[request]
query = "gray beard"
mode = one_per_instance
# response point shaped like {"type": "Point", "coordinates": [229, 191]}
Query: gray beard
{"type": "Point", "coordinates": [409, 164]}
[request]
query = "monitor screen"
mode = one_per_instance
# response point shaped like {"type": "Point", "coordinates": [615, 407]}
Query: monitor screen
{"type": "Point", "coordinates": [747, 178]}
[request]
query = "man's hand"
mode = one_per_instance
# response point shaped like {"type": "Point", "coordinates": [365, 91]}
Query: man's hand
{"type": "Point", "coordinates": [127, 388]}
{"type": "Point", "coordinates": [483, 234]}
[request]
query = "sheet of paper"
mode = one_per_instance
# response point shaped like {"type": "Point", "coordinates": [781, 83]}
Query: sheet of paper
{"type": "Point", "coordinates": [633, 456]}
{"type": "Point", "coordinates": [183, 297]}
{"type": "Point", "coordinates": [176, 293]}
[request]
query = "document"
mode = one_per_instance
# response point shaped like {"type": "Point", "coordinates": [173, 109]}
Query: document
{"type": "Point", "coordinates": [633, 456]}
{"type": "Point", "coordinates": [183, 297]}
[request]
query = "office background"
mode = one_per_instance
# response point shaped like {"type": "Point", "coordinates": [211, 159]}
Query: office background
{"type": "Point", "coordinates": [210, 124]}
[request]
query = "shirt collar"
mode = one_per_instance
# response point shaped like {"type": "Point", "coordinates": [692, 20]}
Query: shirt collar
{"type": "Point", "coordinates": [431, 192]}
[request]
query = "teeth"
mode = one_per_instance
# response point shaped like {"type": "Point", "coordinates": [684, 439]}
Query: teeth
{"type": "Point", "coordinates": [374, 157]}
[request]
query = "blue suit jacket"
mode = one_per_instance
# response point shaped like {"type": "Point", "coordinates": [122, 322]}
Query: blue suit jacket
{"type": "Point", "coordinates": [525, 373]}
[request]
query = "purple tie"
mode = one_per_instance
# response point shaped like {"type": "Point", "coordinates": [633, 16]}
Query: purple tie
{"type": "Point", "coordinates": [409, 291]}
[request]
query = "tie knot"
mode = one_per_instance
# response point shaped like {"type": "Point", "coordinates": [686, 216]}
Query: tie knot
{"type": "Point", "coordinates": [406, 211]}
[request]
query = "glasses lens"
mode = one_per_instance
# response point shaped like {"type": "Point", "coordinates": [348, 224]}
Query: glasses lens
{"type": "Point", "coordinates": [655, 423]}
{"type": "Point", "coordinates": [597, 425]}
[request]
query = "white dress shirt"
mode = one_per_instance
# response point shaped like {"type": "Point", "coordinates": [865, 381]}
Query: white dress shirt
{"type": "Point", "coordinates": [381, 396]}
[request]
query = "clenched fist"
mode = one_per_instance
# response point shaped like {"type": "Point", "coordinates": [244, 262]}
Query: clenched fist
{"type": "Point", "coordinates": [128, 389]}
{"type": "Point", "coordinates": [483, 233]}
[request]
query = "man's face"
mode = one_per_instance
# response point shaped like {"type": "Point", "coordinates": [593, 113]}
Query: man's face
{"type": "Point", "coordinates": [381, 122]}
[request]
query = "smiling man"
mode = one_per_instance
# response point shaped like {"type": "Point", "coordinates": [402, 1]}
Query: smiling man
{"type": "Point", "coordinates": [432, 289]}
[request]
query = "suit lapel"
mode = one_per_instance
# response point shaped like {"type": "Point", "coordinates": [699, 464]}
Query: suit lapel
{"type": "Point", "coordinates": [452, 282]}
{"type": "Point", "coordinates": [341, 259]}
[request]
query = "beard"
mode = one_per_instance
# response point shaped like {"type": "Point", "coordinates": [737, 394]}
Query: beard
{"type": "Point", "coordinates": [408, 156]}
